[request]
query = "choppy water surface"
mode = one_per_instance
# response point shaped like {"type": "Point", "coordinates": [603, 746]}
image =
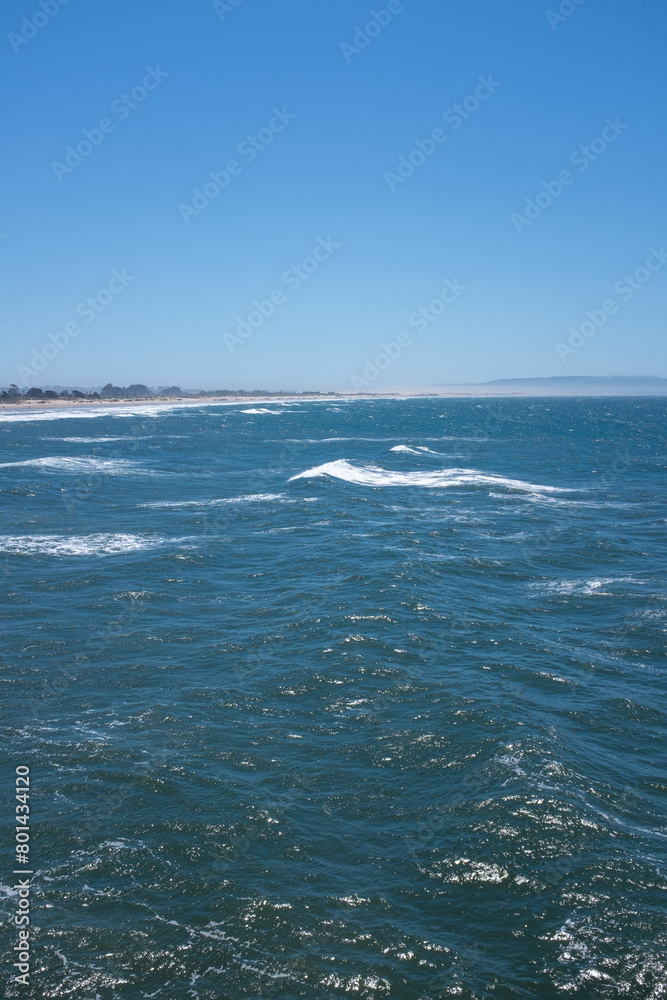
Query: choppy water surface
{"type": "Point", "coordinates": [320, 700]}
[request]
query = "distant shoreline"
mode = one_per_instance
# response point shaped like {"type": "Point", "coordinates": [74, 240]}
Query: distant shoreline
{"type": "Point", "coordinates": [76, 404]}
{"type": "Point", "coordinates": [554, 386]}
{"type": "Point", "coordinates": [22, 403]}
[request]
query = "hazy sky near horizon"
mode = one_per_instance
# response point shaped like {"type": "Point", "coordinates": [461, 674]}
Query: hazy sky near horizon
{"type": "Point", "coordinates": [278, 195]}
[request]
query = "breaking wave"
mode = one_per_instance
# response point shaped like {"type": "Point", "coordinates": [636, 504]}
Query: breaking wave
{"type": "Point", "coordinates": [373, 475]}
{"type": "Point", "coordinates": [275, 413]}
{"type": "Point", "coordinates": [90, 412]}
{"type": "Point", "coordinates": [406, 450]}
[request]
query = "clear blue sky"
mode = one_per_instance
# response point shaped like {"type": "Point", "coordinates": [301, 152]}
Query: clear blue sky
{"type": "Point", "coordinates": [330, 173]}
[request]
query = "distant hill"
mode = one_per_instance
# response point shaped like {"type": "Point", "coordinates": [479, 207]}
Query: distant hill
{"type": "Point", "coordinates": [567, 385]}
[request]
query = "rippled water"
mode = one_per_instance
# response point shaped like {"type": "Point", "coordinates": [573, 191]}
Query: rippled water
{"type": "Point", "coordinates": [327, 700]}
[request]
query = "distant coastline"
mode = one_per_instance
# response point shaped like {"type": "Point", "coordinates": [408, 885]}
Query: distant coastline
{"type": "Point", "coordinates": [572, 386]}
{"type": "Point", "coordinates": [25, 403]}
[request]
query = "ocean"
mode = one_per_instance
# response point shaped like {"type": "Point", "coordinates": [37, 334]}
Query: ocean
{"type": "Point", "coordinates": [338, 699]}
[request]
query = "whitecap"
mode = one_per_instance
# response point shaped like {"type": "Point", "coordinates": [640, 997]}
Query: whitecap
{"type": "Point", "coordinates": [84, 440]}
{"type": "Point", "coordinates": [77, 545]}
{"type": "Point", "coordinates": [275, 413]}
{"type": "Point", "coordinates": [373, 475]}
{"type": "Point", "coordinates": [117, 466]}
{"type": "Point", "coordinates": [373, 440]}
{"type": "Point", "coordinates": [101, 440]}
{"type": "Point", "coordinates": [249, 498]}
{"type": "Point", "coordinates": [417, 450]}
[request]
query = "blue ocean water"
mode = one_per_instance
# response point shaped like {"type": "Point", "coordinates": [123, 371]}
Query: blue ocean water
{"type": "Point", "coordinates": [356, 699]}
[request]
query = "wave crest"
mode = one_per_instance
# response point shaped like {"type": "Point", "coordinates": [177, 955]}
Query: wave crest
{"type": "Point", "coordinates": [275, 413]}
{"type": "Point", "coordinates": [404, 449]}
{"type": "Point", "coordinates": [373, 475]}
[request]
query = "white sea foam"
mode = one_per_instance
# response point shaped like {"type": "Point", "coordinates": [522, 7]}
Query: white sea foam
{"type": "Point", "coordinates": [417, 450]}
{"type": "Point", "coordinates": [275, 413]}
{"type": "Point", "coordinates": [88, 412]}
{"type": "Point", "coordinates": [586, 587]}
{"type": "Point", "coordinates": [22, 415]}
{"type": "Point", "coordinates": [373, 475]}
{"type": "Point", "coordinates": [100, 440]}
{"type": "Point", "coordinates": [89, 440]}
{"type": "Point", "coordinates": [378, 440]}
{"type": "Point", "coordinates": [249, 498]}
{"type": "Point", "coordinates": [111, 467]}
{"type": "Point", "coordinates": [78, 545]}
{"type": "Point", "coordinates": [553, 501]}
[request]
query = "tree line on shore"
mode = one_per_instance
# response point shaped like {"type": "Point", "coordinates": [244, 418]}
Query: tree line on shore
{"type": "Point", "coordinates": [137, 391]}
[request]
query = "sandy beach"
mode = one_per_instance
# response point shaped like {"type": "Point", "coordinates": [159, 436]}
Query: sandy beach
{"type": "Point", "coordinates": [75, 404]}
{"type": "Point", "coordinates": [78, 404]}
